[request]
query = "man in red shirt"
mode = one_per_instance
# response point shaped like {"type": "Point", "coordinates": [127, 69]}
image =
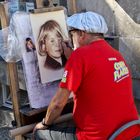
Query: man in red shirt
{"type": "Point", "coordinates": [100, 81]}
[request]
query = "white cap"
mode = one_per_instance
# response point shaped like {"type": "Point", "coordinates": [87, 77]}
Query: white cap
{"type": "Point", "coordinates": [89, 21]}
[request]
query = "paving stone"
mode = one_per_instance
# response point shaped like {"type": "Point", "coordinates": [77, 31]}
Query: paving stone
{"type": "Point", "coordinates": [4, 133]}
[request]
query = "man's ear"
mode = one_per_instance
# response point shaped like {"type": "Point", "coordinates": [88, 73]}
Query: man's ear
{"type": "Point", "coordinates": [82, 35]}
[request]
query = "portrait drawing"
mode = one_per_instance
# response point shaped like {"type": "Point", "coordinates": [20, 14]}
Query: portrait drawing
{"type": "Point", "coordinates": [51, 36]}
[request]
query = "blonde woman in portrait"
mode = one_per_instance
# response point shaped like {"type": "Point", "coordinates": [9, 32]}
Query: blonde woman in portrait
{"type": "Point", "coordinates": [53, 45]}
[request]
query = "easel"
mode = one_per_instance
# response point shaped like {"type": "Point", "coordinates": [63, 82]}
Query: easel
{"type": "Point", "coordinates": [71, 3]}
{"type": "Point", "coordinates": [13, 77]}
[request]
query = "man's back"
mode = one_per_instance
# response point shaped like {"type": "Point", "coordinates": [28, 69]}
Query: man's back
{"type": "Point", "coordinates": [103, 101]}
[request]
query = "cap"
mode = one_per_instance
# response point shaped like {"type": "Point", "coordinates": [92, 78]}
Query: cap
{"type": "Point", "coordinates": [90, 22]}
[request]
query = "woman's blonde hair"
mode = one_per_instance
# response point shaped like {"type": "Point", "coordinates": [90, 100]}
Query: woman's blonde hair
{"type": "Point", "coordinates": [48, 26]}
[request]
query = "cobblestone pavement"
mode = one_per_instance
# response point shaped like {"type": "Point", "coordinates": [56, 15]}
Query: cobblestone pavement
{"type": "Point", "coordinates": [4, 133]}
{"type": "Point", "coordinates": [6, 117]}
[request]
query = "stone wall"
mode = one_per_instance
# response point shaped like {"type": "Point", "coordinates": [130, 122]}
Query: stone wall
{"type": "Point", "coordinates": [132, 8]}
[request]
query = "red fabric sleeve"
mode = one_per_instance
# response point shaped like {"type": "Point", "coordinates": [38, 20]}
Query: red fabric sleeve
{"type": "Point", "coordinates": [73, 73]}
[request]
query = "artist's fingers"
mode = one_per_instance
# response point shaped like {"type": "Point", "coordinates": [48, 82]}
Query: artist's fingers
{"type": "Point", "coordinates": [67, 50]}
{"type": "Point", "coordinates": [37, 127]}
{"type": "Point", "coordinates": [34, 130]}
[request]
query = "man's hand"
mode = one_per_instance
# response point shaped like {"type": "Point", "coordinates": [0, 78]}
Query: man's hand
{"type": "Point", "coordinates": [54, 109]}
{"type": "Point", "coordinates": [39, 126]}
{"type": "Point", "coordinates": [67, 49]}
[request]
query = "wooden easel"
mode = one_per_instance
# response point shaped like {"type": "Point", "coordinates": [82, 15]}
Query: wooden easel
{"type": "Point", "coordinates": [72, 5]}
{"type": "Point", "coordinates": [12, 76]}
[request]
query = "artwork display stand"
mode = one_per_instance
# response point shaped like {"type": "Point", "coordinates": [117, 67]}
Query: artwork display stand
{"type": "Point", "coordinates": [12, 76]}
{"type": "Point", "coordinates": [26, 115]}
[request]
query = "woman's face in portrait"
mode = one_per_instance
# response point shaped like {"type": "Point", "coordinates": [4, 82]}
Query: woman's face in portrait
{"type": "Point", "coordinates": [29, 44]}
{"type": "Point", "coordinates": [53, 42]}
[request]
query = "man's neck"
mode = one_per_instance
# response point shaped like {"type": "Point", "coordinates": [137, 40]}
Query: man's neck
{"type": "Point", "coordinates": [93, 37]}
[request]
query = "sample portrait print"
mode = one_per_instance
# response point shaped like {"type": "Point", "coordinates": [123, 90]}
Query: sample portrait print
{"type": "Point", "coordinates": [51, 42]}
{"type": "Point", "coordinates": [51, 37]}
{"type": "Point", "coordinates": [29, 45]}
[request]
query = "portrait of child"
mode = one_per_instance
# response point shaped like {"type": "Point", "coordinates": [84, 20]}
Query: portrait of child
{"type": "Point", "coordinates": [52, 43]}
{"type": "Point", "coordinates": [29, 45]}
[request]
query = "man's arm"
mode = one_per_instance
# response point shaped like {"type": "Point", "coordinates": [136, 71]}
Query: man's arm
{"type": "Point", "coordinates": [56, 106]}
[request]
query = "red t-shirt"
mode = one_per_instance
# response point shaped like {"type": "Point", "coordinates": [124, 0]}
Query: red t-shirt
{"type": "Point", "coordinates": [101, 82]}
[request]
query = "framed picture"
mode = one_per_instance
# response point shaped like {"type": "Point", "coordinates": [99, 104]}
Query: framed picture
{"type": "Point", "coordinates": [51, 36]}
